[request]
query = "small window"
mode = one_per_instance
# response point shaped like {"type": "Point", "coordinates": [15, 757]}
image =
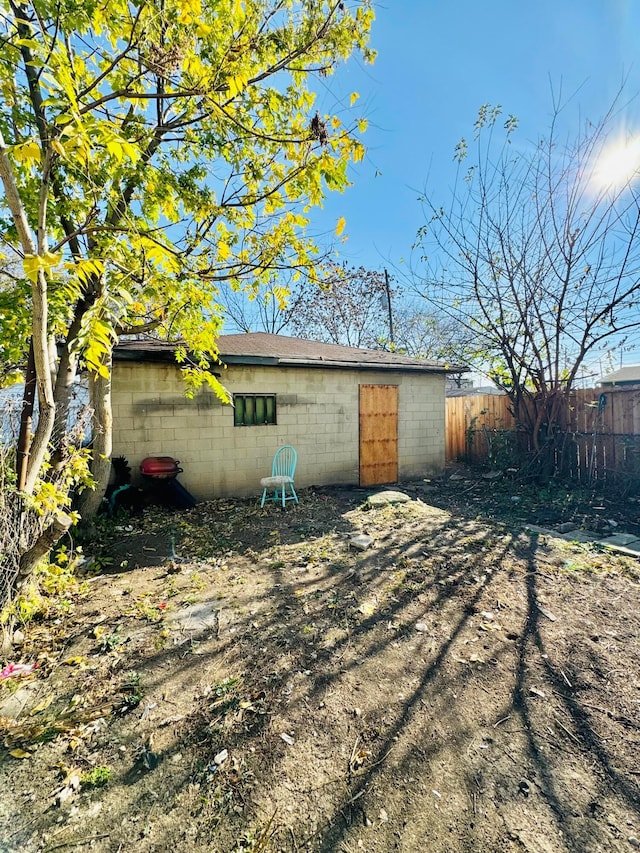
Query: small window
{"type": "Point", "coordinates": [254, 409]}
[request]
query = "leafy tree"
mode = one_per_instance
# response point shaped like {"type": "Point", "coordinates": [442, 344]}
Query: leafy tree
{"type": "Point", "coordinates": [541, 264]}
{"type": "Point", "coordinates": [150, 150]}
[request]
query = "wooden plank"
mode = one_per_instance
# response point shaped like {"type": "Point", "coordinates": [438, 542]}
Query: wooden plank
{"type": "Point", "coordinates": [378, 434]}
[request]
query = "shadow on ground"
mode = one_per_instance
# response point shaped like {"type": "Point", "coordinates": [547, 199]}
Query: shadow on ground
{"type": "Point", "coordinates": [455, 688]}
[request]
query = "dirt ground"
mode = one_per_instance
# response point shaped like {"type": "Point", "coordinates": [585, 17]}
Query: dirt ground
{"type": "Point", "coordinates": [236, 679]}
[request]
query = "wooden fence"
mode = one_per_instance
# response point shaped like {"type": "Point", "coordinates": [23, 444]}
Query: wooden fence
{"type": "Point", "coordinates": [602, 434]}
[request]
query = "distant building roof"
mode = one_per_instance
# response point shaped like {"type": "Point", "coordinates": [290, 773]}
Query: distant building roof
{"type": "Point", "coordinates": [279, 350]}
{"type": "Point", "coordinates": [629, 375]}
{"type": "Point", "coordinates": [482, 390]}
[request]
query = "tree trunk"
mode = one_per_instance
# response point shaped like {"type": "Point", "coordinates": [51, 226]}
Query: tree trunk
{"type": "Point", "coordinates": [102, 439]}
{"type": "Point", "coordinates": [49, 537]}
{"type": "Point", "coordinates": [26, 420]}
{"type": "Point", "coordinates": [39, 335]}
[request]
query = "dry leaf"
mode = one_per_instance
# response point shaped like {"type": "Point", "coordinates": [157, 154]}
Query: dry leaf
{"type": "Point", "coordinates": [42, 706]}
{"type": "Point", "coordinates": [367, 608]}
{"type": "Point", "coordinates": [19, 753]}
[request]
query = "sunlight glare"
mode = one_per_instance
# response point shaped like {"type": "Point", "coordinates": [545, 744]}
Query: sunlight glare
{"type": "Point", "coordinates": [618, 164]}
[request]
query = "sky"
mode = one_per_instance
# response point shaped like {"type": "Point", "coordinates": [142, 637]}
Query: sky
{"type": "Point", "coordinates": [438, 62]}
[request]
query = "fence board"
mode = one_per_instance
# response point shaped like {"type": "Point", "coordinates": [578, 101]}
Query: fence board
{"type": "Point", "coordinates": [602, 444]}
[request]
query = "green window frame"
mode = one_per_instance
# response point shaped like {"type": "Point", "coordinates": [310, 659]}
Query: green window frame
{"type": "Point", "coordinates": [254, 409]}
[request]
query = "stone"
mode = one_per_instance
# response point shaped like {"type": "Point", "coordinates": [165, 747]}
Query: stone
{"type": "Point", "coordinates": [14, 704]}
{"type": "Point", "coordinates": [198, 617]}
{"type": "Point", "coordinates": [567, 527]}
{"type": "Point", "coordinates": [492, 475]}
{"type": "Point", "coordinates": [361, 541]}
{"type": "Point", "coordinates": [388, 497]}
{"type": "Point", "coordinates": [524, 787]}
{"type": "Point", "coordinates": [422, 627]}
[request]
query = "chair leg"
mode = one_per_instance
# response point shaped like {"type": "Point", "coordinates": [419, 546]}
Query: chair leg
{"type": "Point", "coordinates": [264, 495]}
{"type": "Point", "coordinates": [293, 492]}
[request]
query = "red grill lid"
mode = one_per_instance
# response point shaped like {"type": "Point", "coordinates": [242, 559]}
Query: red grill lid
{"type": "Point", "coordinates": [160, 466]}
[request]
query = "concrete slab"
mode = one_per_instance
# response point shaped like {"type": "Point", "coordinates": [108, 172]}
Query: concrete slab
{"type": "Point", "coordinates": [579, 536]}
{"type": "Point", "coordinates": [632, 550]}
{"type": "Point", "coordinates": [625, 539]}
{"type": "Point", "coordinates": [534, 528]}
{"type": "Point", "coordinates": [566, 527]}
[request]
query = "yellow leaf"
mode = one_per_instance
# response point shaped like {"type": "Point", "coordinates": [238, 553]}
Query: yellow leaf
{"type": "Point", "coordinates": [27, 152]}
{"type": "Point", "coordinates": [237, 83]}
{"type": "Point", "coordinates": [58, 147]}
{"type": "Point", "coordinates": [34, 263]}
{"type": "Point", "coordinates": [362, 125]}
{"type": "Point", "coordinates": [31, 264]}
{"type": "Point", "coordinates": [80, 660]}
{"type": "Point", "coordinates": [358, 153]}
{"type": "Point", "coordinates": [340, 226]}
{"type": "Point", "coordinates": [353, 99]}
{"type": "Point", "coordinates": [51, 259]}
{"type": "Point", "coordinates": [115, 149]}
{"type": "Point", "coordinates": [19, 753]}
{"type": "Point", "coordinates": [41, 706]}
{"type": "Point", "coordinates": [223, 251]}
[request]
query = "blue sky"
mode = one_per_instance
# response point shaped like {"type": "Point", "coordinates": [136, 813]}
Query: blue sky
{"type": "Point", "coordinates": [438, 61]}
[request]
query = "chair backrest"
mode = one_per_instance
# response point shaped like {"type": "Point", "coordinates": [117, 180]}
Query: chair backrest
{"type": "Point", "coordinates": [284, 462]}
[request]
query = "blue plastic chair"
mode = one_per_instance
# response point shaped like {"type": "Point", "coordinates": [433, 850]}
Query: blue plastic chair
{"type": "Point", "coordinates": [281, 479]}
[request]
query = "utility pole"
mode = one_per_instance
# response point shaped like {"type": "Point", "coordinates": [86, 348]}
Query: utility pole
{"type": "Point", "coordinates": [388, 289]}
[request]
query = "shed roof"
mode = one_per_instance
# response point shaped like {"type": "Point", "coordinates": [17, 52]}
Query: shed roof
{"type": "Point", "coordinates": [628, 374]}
{"type": "Point", "coordinates": [261, 348]}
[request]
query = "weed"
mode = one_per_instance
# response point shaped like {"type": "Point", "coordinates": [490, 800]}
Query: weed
{"type": "Point", "coordinates": [132, 693]}
{"type": "Point", "coordinates": [111, 641]}
{"type": "Point", "coordinates": [198, 583]}
{"type": "Point", "coordinates": [171, 589]}
{"type": "Point", "coordinates": [96, 777]}
{"type": "Point", "coordinates": [255, 841]}
{"type": "Point", "coordinates": [50, 590]}
{"type": "Point", "coordinates": [145, 609]}
{"type": "Point", "coordinates": [226, 686]}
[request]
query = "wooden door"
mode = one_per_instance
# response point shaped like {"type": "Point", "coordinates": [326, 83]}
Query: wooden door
{"type": "Point", "coordinates": [378, 434]}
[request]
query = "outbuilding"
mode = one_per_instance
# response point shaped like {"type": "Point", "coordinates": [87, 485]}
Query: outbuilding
{"type": "Point", "coordinates": [355, 416]}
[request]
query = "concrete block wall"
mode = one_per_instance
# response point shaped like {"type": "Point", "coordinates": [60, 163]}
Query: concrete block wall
{"type": "Point", "coordinates": [317, 412]}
